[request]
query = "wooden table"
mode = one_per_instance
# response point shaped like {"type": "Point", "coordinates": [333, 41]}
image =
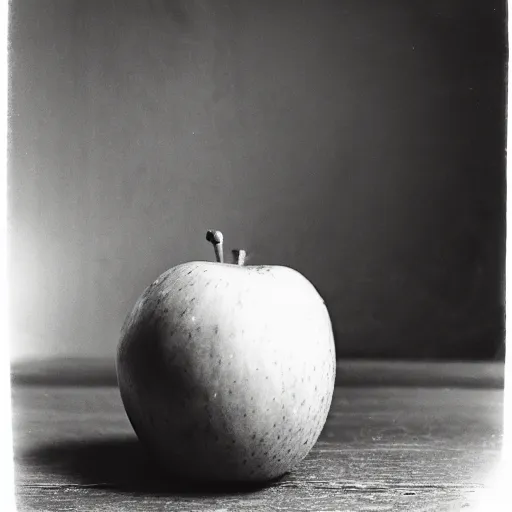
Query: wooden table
{"type": "Point", "coordinates": [396, 446]}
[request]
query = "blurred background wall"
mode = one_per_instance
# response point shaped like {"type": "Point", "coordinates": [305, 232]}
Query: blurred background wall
{"type": "Point", "coordinates": [360, 142]}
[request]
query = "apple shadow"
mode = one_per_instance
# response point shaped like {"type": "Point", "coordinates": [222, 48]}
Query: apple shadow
{"type": "Point", "coordinates": [122, 464]}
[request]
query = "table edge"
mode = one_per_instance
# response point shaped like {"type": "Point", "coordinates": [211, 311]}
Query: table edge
{"type": "Point", "coordinates": [349, 372]}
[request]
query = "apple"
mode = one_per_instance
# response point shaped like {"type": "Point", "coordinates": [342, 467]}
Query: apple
{"type": "Point", "coordinates": [226, 371]}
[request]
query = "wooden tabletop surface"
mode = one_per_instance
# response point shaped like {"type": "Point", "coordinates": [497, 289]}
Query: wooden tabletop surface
{"type": "Point", "coordinates": [387, 447]}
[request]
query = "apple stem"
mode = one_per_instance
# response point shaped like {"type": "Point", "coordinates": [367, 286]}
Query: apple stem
{"type": "Point", "coordinates": [216, 238]}
{"type": "Point", "coordinates": [238, 256]}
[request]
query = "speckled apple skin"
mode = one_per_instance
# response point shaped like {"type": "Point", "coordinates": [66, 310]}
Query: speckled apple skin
{"type": "Point", "coordinates": [227, 372]}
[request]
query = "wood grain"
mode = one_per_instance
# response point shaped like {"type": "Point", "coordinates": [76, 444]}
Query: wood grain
{"type": "Point", "coordinates": [410, 449]}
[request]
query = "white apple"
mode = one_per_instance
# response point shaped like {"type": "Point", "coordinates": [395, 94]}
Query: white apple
{"type": "Point", "coordinates": [227, 371]}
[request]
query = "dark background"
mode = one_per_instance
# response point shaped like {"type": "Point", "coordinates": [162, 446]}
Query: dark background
{"type": "Point", "coordinates": [360, 142]}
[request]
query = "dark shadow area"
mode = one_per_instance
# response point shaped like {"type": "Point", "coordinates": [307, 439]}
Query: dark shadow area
{"type": "Point", "coordinates": [122, 464]}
